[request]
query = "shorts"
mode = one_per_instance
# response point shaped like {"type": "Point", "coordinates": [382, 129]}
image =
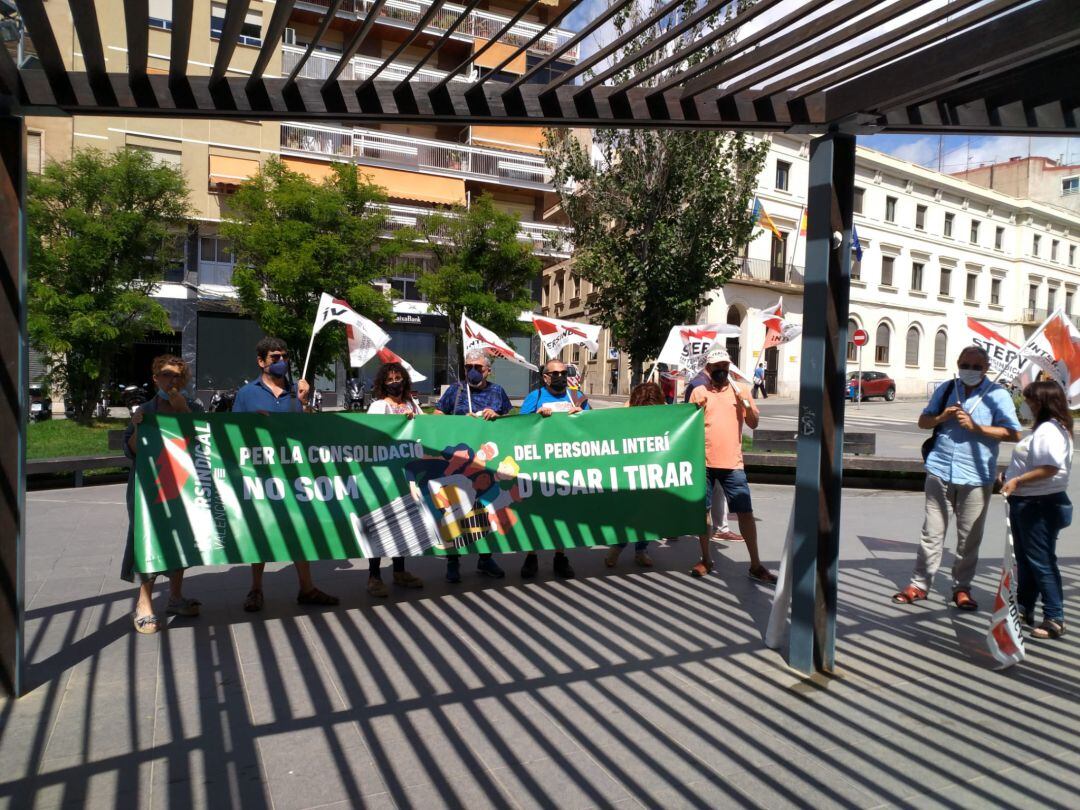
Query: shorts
{"type": "Point", "coordinates": [736, 489]}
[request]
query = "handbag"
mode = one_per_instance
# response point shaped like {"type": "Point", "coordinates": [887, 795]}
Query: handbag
{"type": "Point", "coordinates": [928, 445]}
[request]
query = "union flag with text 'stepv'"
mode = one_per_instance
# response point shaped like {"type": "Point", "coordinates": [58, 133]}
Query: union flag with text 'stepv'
{"type": "Point", "coordinates": [1003, 636]}
{"type": "Point", "coordinates": [1059, 355]}
{"type": "Point", "coordinates": [475, 338]}
{"type": "Point", "coordinates": [556, 334]}
{"type": "Point", "coordinates": [1004, 354]}
{"type": "Point", "coordinates": [687, 347]}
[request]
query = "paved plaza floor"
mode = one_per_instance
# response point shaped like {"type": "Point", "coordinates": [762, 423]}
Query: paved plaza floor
{"type": "Point", "coordinates": [619, 688]}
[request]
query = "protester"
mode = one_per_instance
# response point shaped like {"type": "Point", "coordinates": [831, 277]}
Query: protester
{"type": "Point", "coordinates": [718, 508]}
{"type": "Point", "coordinates": [970, 417]}
{"type": "Point", "coordinates": [727, 407]}
{"type": "Point", "coordinates": [644, 394]}
{"type": "Point", "coordinates": [759, 381]}
{"type": "Point", "coordinates": [1039, 509]}
{"type": "Point", "coordinates": [668, 382]}
{"type": "Point", "coordinates": [171, 376]}
{"type": "Point", "coordinates": [392, 394]}
{"type": "Point", "coordinates": [552, 397]}
{"type": "Point", "coordinates": [273, 392]}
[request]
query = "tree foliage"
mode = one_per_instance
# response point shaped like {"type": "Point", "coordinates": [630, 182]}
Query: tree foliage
{"type": "Point", "coordinates": [480, 267]}
{"type": "Point", "coordinates": [660, 218]}
{"type": "Point", "coordinates": [102, 229]}
{"type": "Point", "coordinates": [295, 239]}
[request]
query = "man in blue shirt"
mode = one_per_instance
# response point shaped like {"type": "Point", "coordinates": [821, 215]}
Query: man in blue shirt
{"type": "Point", "coordinates": [970, 417]}
{"type": "Point", "coordinates": [272, 392]}
{"type": "Point", "coordinates": [478, 397]}
{"type": "Point", "coordinates": [554, 396]}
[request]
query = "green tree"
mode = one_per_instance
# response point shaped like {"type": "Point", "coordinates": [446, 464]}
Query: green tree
{"type": "Point", "coordinates": [659, 220]}
{"type": "Point", "coordinates": [295, 239]}
{"type": "Point", "coordinates": [102, 228]}
{"type": "Point", "coordinates": [480, 267]}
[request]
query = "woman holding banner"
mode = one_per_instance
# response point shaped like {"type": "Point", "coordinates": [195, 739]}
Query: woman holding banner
{"type": "Point", "coordinates": [171, 376]}
{"type": "Point", "coordinates": [1039, 509]}
{"type": "Point", "coordinates": [392, 394]}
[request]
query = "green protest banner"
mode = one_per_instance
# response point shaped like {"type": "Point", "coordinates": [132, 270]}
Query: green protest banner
{"type": "Point", "coordinates": [212, 489]}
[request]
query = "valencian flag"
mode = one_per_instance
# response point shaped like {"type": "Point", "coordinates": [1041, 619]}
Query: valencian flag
{"type": "Point", "coordinates": [364, 335]}
{"type": "Point", "coordinates": [1003, 637]}
{"type": "Point", "coordinates": [763, 219]}
{"type": "Point", "coordinates": [555, 334]}
{"type": "Point", "coordinates": [475, 338]}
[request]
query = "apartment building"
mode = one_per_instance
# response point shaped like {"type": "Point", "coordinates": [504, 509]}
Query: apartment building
{"type": "Point", "coordinates": [1031, 178]}
{"type": "Point", "coordinates": [936, 250]}
{"type": "Point", "coordinates": [421, 167]}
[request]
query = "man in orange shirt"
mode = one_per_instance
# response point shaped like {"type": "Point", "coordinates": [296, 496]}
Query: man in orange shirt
{"type": "Point", "coordinates": [727, 407]}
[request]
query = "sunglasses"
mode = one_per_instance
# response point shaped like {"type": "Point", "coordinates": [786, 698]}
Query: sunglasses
{"type": "Point", "coordinates": [476, 367]}
{"type": "Point", "coordinates": [275, 356]}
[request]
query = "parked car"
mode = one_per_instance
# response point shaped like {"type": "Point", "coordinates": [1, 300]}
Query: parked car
{"type": "Point", "coordinates": [874, 384]}
{"type": "Point", "coordinates": [40, 403]}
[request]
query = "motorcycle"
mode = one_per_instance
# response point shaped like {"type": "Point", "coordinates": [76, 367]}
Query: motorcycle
{"type": "Point", "coordinates": [356, 396]}
{"type": "Point", "coordinates": [316, 401]}
{"type": "Point", "coordinates": [133, 396]}
{"type": "Point", "coordinates": [222, 400]}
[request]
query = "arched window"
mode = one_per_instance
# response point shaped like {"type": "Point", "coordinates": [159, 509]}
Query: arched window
{"type": "Point", "coordinates": [941, 342]}
{"type": "Point", "coordinates": [852, 349]}
{"type": "Point", "coordinates": [911, 351]}
{"type": "Point", "coordinates": [881, 344]}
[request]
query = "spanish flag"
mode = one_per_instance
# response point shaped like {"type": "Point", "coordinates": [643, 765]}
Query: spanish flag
{"type": "Point", "coordinates": [763, 219]}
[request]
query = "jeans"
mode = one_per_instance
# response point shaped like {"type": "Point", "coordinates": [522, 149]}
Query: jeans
{"type": "Point", "coordinates": [969, 503]}
{"type": "Point", "coordinates": [640, 547]}
{"type": "Point", "coordinates": [1036, 521]}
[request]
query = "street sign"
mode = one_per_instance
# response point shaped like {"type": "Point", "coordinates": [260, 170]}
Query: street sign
{"type": "Point", "coordinates": [860, 337]}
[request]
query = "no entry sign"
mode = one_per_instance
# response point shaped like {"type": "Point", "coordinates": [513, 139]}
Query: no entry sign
{"type": "Point", "coordinates": [860, 337]}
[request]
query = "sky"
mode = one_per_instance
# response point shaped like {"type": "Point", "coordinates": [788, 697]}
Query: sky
{"type": "Point", "coordinates": [949, 153]}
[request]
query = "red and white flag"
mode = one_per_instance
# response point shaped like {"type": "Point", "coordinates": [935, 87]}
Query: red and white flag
{"type": "Point", "coordinates": [1003, 352]}
{"type": "Point", "coordinates": [555, 334]}
{"type": "Point", "coordinates": [687, 346]}
{"type": "Point", "coordinates": [778, 330]}
{"type": "Point", "coordinates": [364, 335]}
{"type": "Point", "coordinates": [1057, 352]}
{"type": "Point", "coordinates": [1004, 637]}
{"type": "Point", "coordinates": [475, 338]}
{"type": "Point", "coordinates": [384, 354]}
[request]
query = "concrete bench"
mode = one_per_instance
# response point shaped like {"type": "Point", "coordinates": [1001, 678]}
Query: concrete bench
{"type": "Point", "coordinates": [75, 464]}
{"type": "Point", "coordinates": [783, 441]}
{"type": "Point", "coordinates": [859, 472]}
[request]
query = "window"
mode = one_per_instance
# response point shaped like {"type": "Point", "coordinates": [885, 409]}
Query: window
{"type": "Point", "coordinates": [916, 276]}
{"type": "Point", "coordinates": [1070, 185]}
{"type": "Point", "coordinates": [995, 292]}
{"type": "Point", "coordinates": [1033, 296]}
{"type": "Point", "coordinates": [250, 31]}
{"type": "Point", "coordinates": [1051, 299]}
{"type": "Point", "coordinates": [881, 347]}
{"type": "Point", "coordinates": [405, 287]}
{"type": "Point", "coordinates": [216, 260]}
{"type": "Point", "coordinates": [974, 232]}
{"type": "Point", "coordinates": [33, 153]}
{"type": "Point", "coordinates": [941, 345]}
{"type": "Point", "coordinates": [972, 287]}
{"type": "Point", "coordinates": [571, 286]}
{"type": "Point", "coordinates": [778, 260]}
{"type": "Point", "coordinates": [886, 270]}
{"type": "Point", "coordinates": [890, 209]}
{"type": "Point", "coordinates": [857, 200]}
{"type": "Point", "coordinates": [1035, 241]}
{"type": "Point", "coordinates": [162, 157]}
{"type": "Point", "coordinates": [1068, 302]}
{"type": "Point", "coordinates": [783, 174]}
{"type": "Point", "coordinates": [920, 217]}
{"type": "Point", "coordinates": [852, 349]}
{"type": "Point", "coordinates": [999, 238]}
{"type": "Point", "coordinates": [911, 350]}
{"type": "Point", "coordinates": [947, 230]}
{"type": "Point", "coordinates": [856, 268]}
{"type": "Point", "coordinates": [161, 14]}
{"type": "Point", "coordinates": [1072, 255]}
{"type": "Point", "coordinates": [1054, 250]}
{"type": "Point", "coordinates": [945, 285]}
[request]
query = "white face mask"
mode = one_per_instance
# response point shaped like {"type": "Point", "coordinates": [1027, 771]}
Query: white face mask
{"type": "Point", "coordinates": [970, 377]}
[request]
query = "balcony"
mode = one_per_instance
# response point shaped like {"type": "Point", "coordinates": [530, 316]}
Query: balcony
{"type": "Point", "coordinates": [359, 68]}
{"type": "Point", "coordinates": [765, 270]}
{"type": "Point", "coordinates": [1034, 316]}
{"type": "Point", "coordinates": [377, 148]}
{"type": "Point", "coordinates": [477, 24]}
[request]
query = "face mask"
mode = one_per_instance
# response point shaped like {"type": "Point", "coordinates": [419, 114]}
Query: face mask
{"type": "Point", "coordinates": [1026, 414]}
{"type": "Point", "coordinates": [719, 377]}
{"type": "Point", "coordinates": [278, 369]}
{"type": "Point", "coordinates": [161, 392]}
{"type": "Point", "coordinates": [557, 383]}
{"type": "Point", "coordinates": [394, 389]}
{"type": "Point", "coordinates": [971, 377]}
{"type": "Point", "coordinates": [474, 377]}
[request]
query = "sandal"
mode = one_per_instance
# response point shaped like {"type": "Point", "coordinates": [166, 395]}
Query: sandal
{"type": "Point", "coordinates": [763, 575]}
{"type": "Point", "coordinates": [183, 607]}
{"type": "Point", "coordinates": [376, 587]}
{"type": "Point", "coordinates": [1049, 629]}
{"type": "Point", "coordinates": [147, 624]}
{"type": "Point", "coordinates": [253, 602]}
{"type": "Point", "coordinates": [963, 601]}
{"type": "Point", "coordinates": [909, 595]}
{"type": "Point", "coordinates": [407, 580]}
{"type": "Point", "coordinates": [643, 559]}
{"type": "Point", "coordinates": [316, 597]}
{"type": "Point", "coordinates": [701, 569]}
{"type": "Point", "coordinates": [612, 556]}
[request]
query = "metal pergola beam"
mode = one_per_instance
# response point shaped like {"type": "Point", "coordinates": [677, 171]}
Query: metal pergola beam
{"type": "Point", "coordinates": [235, 13]}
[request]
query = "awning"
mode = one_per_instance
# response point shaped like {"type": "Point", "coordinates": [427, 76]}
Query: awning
{"type": "Point", "coordinates": [494, 56]}
{"type": "Point", "coordinates": [524, 139]}
{"type": "Point", "coordinates": [232, 171]}
{"type": "Point", "coordinates": [398, 184]}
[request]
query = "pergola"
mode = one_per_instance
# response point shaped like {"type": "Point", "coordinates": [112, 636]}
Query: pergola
{"type": "Point", "coordinates": [858, 67]}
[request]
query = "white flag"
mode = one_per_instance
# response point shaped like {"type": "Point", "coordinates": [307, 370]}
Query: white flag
{"type": "Point", "coordinates": [386, 355]}
{"type": "Point", "coordinates": [778, 330]}
{"type": "Point", "coordinates": [1003, 636]}
{"type": "Point", "coordinates": [687, 346]}
{"type": "Point", "coordinates": [1057, 352]}
{"type": "Point", "coordinates": [555, 334]}
{"type": "Point", "coordinates": [365, 336]}
{"type": "Point", "coordinates": [475, 338]}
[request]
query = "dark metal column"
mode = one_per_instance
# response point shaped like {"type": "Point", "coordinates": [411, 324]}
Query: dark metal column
{"type": "Point", "coordinates": [14, 371]}
{"type": "Point", "coordinates": [816, 541]}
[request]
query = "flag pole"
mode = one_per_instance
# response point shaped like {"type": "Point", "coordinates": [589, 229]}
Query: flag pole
{"type": "Point", "coordinates": [307, 359]}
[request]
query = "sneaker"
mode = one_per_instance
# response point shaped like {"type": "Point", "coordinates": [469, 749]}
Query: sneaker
{"type": "Point", "coordinates": [453, 569]}
{"type": "Point", "coordinates": [489, 568]}
{"type": "Point", "coordinates": [529, 567]}
{"type": "Point", "coordinates": [729, 536]}
{"type": "Point", "coordinates": [643, 559]}
{"type": "Point", "coordinates": [376, 587]}
{"type": "Point", "coordinates": [612, 556]}
{"type": "Point", "coordinates": [407, 580]}
{"type": "Point", "coordinates": [562, 566]}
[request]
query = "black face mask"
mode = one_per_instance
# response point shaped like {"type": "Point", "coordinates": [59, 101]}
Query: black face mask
{"type": "Point", "coordinates": [394, 389]}
{"type": "Point", "coordinates": [557, 383]}
{"type": "Point", "coordinates": [719, 377]}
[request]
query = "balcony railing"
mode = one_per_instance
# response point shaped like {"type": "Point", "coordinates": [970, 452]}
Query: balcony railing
{"type": "Point", "coordinates": [765, 270]}
{"type": "Point", "coordinates": [546, 240]}
{"type": "Point", "coordinates": [369, 146]}
{"type": "Point", "coordinates": [1035, 315]}
{"type": "Point", "coordinates": [479, 24]}
{"type": "Point", "coordinates": [359, 68]}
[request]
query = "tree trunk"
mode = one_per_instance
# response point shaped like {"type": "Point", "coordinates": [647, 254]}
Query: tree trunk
{"type": "Point", "coordinates": [636, 371]}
